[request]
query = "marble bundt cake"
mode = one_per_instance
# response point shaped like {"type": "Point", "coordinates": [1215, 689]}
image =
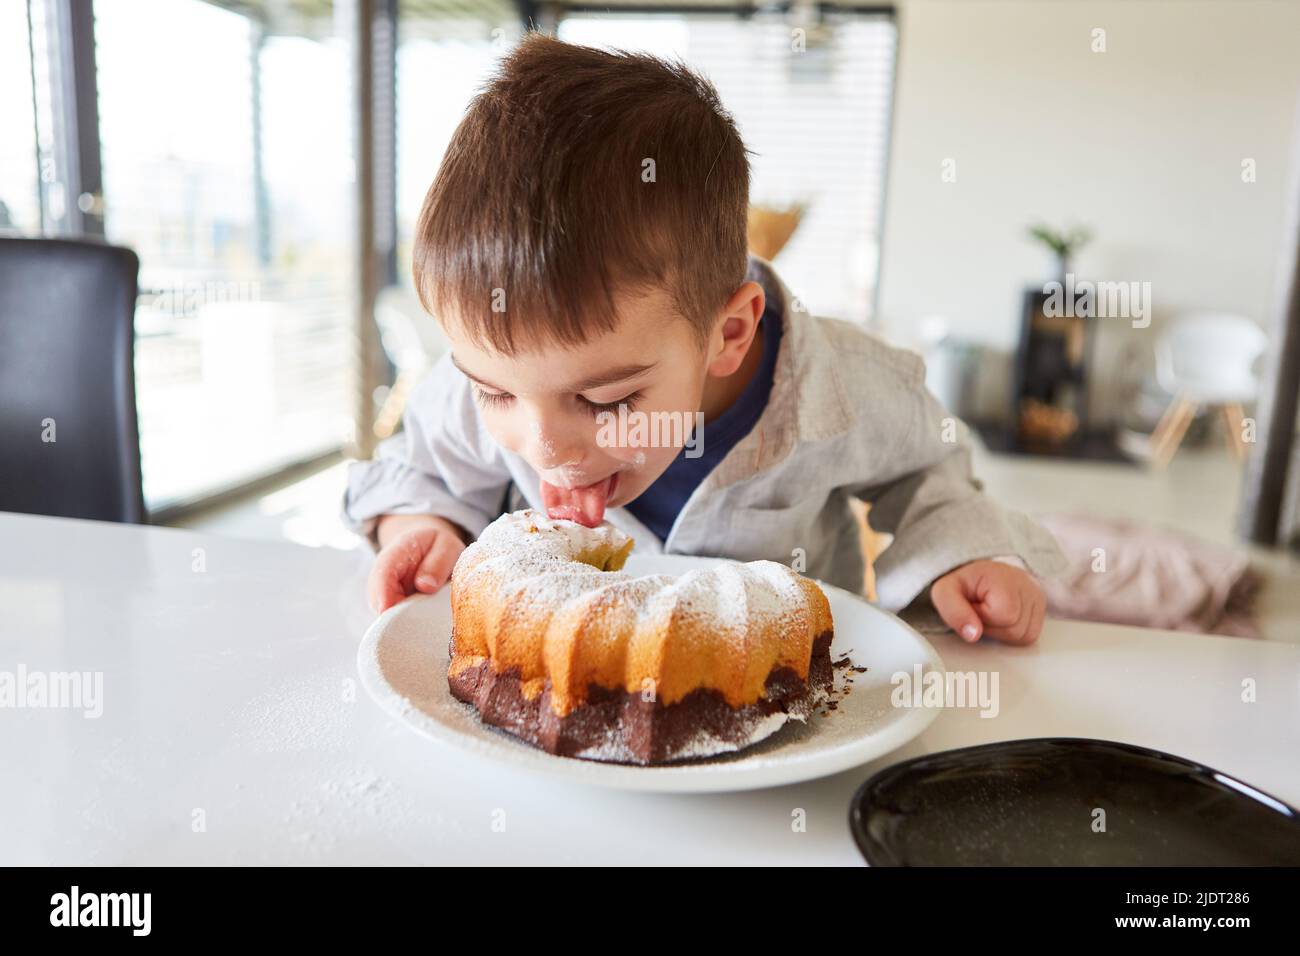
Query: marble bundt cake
{"type": "Point", "coordinates": [556, 644]}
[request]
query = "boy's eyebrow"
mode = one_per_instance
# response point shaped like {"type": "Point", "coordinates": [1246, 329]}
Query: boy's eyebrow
{"type": "Point", "coordinates": [609, 377]}
{"type": "Point", "coordinates": [471, 376]}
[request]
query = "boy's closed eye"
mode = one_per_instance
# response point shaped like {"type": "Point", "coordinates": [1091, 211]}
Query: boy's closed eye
{"type": "Point", "coordinates": [492, 399]}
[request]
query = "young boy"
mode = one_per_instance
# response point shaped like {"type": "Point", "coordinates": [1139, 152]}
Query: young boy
{"type": "Point", "coordinates": [583, 247]}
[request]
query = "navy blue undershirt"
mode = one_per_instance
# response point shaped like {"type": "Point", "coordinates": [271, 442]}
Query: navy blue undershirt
{"type": "Point", "coordinates": [658, 506]}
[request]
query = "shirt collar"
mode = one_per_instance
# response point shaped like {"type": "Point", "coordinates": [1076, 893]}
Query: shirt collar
{"type": "Point", "coordinates": [808, 400]}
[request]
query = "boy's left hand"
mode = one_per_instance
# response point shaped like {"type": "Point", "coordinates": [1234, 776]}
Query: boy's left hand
{"type": "Point", "coordinates": [989, 597]}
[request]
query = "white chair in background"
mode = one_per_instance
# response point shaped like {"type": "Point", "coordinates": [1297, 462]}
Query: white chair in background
{"type": "Point", "coordinates": [1206, 359]}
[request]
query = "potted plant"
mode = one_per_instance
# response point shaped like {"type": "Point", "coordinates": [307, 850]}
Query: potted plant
{"type": "Point", "coordinates": [1063, 243]}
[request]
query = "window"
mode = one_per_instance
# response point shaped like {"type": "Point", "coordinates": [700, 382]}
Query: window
{"type": "Point", "coordinates": [19, 170]}
{"type": "Point", "coordinates": [237, 196]}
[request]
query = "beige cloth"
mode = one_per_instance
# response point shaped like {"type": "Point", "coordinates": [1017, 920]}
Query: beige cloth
{"type": "Point", "coordinates": [1130, 573]}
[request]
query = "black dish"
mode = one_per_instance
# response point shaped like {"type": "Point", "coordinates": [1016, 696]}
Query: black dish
{"type": "Point", "coordinates": [1035, 803]}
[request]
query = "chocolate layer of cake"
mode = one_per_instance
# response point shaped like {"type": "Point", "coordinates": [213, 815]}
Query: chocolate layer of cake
{"type": "Point", "coordinates": [618, 726]}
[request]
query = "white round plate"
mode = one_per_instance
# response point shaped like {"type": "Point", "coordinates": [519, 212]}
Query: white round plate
{"type": "Point", "coordinates": [403, 664]}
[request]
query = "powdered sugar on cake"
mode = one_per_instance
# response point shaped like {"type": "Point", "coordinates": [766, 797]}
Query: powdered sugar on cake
{"type": "Point", "coordinates": [554, 642]}
{"type": "Point", "coordinates": [729, 597]}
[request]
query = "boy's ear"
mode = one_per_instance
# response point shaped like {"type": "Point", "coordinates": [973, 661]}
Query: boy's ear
{"type": "Point", "coordinates": [737, 328]}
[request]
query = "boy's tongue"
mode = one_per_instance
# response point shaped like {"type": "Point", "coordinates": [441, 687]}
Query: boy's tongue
{"type": "Point", "coordinates": [585, 505]}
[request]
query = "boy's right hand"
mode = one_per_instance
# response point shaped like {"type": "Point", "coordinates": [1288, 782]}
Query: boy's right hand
{"type": "Point", "coordinates": [416, 553]}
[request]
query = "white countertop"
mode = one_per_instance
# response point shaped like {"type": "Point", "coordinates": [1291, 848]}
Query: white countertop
{"type": "Point", "coordinates": [234, 730]}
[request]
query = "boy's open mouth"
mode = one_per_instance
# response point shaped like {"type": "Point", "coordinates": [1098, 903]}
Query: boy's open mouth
{"type": "Point", "coordinates": [584, 504]}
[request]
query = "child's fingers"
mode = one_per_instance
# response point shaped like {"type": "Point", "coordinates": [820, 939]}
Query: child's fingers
{"type": "Point", "coordinates": [989, 599]}
{"type": "Point", "coordinates": [385, 586]}
{"type": "Point", "coordinates": [391, 578]}
{"type": "Point", "coordinates": [949, 599]}
{"type": "Point", "coordinates": [1025, 629]}
{"type": "Point", "coordinates": [436, 567]}
{"type": "Point", "coordinates": [1003, 606]}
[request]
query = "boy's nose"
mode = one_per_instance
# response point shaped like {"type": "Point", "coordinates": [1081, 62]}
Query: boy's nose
{"type": "Point", "coordinates": [551, 450]}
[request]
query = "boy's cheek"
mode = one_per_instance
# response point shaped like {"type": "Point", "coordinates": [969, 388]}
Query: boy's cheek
{"type": "Point", "coordinates": [644, 464]}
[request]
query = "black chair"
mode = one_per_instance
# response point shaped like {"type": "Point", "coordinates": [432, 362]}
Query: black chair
{"type": "Point", "coordinates": [69, 445]}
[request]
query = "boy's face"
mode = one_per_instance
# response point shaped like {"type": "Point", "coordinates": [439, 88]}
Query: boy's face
{"type": "Point", "coordinates": [545, 403]}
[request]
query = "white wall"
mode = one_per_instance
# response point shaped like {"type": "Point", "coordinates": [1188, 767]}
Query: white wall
{"type": "Point", "coordinates": [1144, 143]}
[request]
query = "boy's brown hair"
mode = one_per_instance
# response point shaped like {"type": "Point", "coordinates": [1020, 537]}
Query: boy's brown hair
{"type": "Point", "coordinates": [574, 173]}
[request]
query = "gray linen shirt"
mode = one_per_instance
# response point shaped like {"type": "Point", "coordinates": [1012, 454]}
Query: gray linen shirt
{"type": "Point", "coordinates": [848, 415]}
